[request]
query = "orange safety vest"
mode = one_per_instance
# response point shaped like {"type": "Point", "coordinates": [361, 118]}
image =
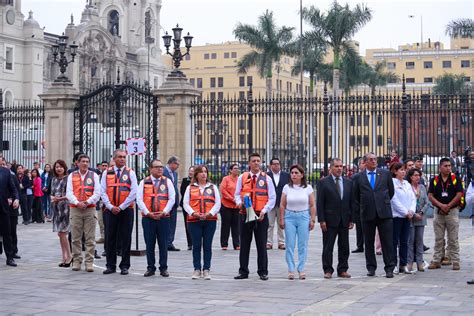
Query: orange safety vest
{"type": "Point", "coordinates": [202, 203]}
{"type": "Point", "coordinates": [118, 189]}
{"type": "Point", "coordinates": [258, 194]}
{"type": "Point", "coordinates": [155, 198]}
{"type": "Point", "coordinates": [83, 190]}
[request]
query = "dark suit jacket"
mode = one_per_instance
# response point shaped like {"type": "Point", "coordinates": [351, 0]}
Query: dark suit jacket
{"type": "Point", "coordinates": [7, 190]}
{"type": "Point", "coordinates": [182, 189]}
{"type": "Point", "coordinates": [14, 211]}
{"type": "Point", "coordinates": [331, 209]}
{"type": "Point", "coordinates": [374, 202]}
{"type": "Point", "coordinates": [27, 183]}
{"type": "Point", "coordinates": [175, 183]}
{"type": "Point", "coordinates": [284, 179]}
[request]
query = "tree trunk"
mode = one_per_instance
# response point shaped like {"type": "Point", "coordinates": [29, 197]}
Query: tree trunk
{"type": "Point", "coordinates": [335, 81]}
{"type": "Point", "coordinates": [311, 84]}
{"type": "Point", "coordinates": [269, 87]}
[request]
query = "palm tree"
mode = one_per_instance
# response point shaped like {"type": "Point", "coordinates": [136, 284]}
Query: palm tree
{"type": "Point", "coordinates": [337, 27]}
{"type": "Point", "coordinates": [376, 76]}
{"type": "Point", "coordinates": [449, 84]}
{"type": "Point", "coordinates": [461, 28]}
{"type": "Point", "coordinates": [270, 43]}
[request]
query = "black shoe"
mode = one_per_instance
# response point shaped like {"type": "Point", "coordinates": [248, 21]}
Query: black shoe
{"type": "Point", "coordinates": [109, 271]}
{"type": "Point", "coordinates": [11, 263]}
{"type": "Point", "coordinates": [357, 250]}
{"type": "Point", "coordinates": [470, 281]}
{"type": "Point", "coordinates": [241, 277]}
{"type": "Point", "coordinates": [124, 271]}
{"type": "Point", "coordinates": [16, 256]}
{"type": "Point", "coordinates": [173, 248]}
{"type": "Point", "coordinates": [371, 273]}
{"type": "Point", "coordinates": [104, 253]}
{"type": "Point", "coordinates": [264, 277]}
{"type": "Point", "coordinates": [389, 275]}
{"type": "Point", "coordinates": [164, 273]}
{"type": "Point", "coordinates": [149, 273]}
{"type": "Point", "coordinates": [96, 255]}
{"type": "Point", "coordinates": [190, 247]}
{"type": "Point", "coordinates": [425, 248]}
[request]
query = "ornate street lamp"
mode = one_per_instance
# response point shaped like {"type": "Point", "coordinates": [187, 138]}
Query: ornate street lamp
{"type": "Point", "coordinates": [177, 55]}
{"type": "Point", "coordinates": [60, 49]}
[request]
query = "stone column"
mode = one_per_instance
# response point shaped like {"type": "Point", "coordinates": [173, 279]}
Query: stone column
{"type": "Point", "coordinates": [174, 99]}
{"type": "Point", "coordinates": [59, 102]}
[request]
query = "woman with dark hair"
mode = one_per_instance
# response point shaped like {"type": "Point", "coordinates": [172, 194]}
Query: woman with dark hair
{"type": "Point", "coordinates": [202, 201]}
{"type": "Point", "coordinates": [229, 210]}
{"type": "Point", "coordinates": [403, 208]}
{"type": "Point", "coordinates": [45, 186]}
{"type": "Point", "coordinates": [36, 214]}
{"type": "Point", "coordinates": [418, 223]}
{"type": "Point", "coordinates": [60, 210]}
{"type": "Point", "coordinates": [297, 218]}
{"type": "Point", "coordinates": [25, 185]}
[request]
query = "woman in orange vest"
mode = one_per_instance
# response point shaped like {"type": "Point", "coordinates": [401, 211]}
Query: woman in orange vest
{"type": "Point", "coordinates": [229, 210]}
{"type": "Point", "coordinates": [202, 202]}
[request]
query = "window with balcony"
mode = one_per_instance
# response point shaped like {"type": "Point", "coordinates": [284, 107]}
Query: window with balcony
{"type": "Point", "coordinates": [220, 82]}
{"type": "Point", "coordinates": [241, 81]}
{"type": "Point", "coordinates": [199, 83]}
{"type": "Point", "coordinates": [213, 82]}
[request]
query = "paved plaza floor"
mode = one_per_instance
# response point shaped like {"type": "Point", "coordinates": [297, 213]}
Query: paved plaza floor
{"type": "Point", "coordinates": [39, 286]}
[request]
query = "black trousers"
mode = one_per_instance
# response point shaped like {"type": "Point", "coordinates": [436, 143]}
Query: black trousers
{"type": "Point", "coordinates": [329, 239]}
{"type": "Point", "coordinates": [385, 227]}
{"type": "Point", "coordinates": [37, 214]}
{"type": "Point", "coordinates": [25, 209]}
{"type": "Point", "coordinates": [229, 223]}
{"type": "Point", "coordinates": [359, 233]}
{"type": "Point", "coordinates": [259, 229]}
{"type": "Point", "coordinates": [188, 235]}
{"type": "Point", "coordinates": [120, 224]}
{"type": "Point", "coordinates": [5, 232]}
{"type": "Point", "coordinates": [14, 237]}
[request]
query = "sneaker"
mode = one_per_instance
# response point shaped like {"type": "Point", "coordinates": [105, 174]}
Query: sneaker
{"type": "Point", "coordinates": [425, 264]}
{"type": "Point", "coordinates": [446, 261]}
{"type": "Point", "coordinates": [395, 270]}
{"type": "Point", "coordinates": [206, 275]}
{"type": "Point", "coordinates": [434, 265]}
{"type": "Point", "coordinates": [196, 275]}
{"type": "Point", "coordinates": [456, 266]}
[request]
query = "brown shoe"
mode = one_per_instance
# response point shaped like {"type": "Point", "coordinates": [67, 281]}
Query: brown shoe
{"type": "Point", "coordinates": [269, 246]}
{"type": "Point", "coordinates": [281, 246]}
{"type": "Point", "coordinates": [434, 265]}
{"type": "Point", "coordinates": [456, 266]}
{"type": "Point", "coordinates": [344, 275]}
{"type": "Point", "coordinates": [89, 268]}
{"type": "Point", "coordinates": [327, 275]}
{"type": "Point", "coordinates": [446, 261]}
{"type": "Point", "coordinates": [421, 268]}
{"type": "Point", "coordinates": [100, 240]}
{"type": "Point", "coordinates": [76, 266]}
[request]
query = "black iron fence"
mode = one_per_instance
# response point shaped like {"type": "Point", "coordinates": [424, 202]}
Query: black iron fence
{"type": "Point", "coordinates": [310, 131]}
{"type": "Point", "coordinates": [22, 131]}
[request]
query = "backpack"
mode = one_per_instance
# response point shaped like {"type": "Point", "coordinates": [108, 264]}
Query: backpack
{"type": "Point", "coordinates": [454, 180]}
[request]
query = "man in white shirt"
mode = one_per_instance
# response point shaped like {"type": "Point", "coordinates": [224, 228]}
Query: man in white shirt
{"type": "Point", "coordinates": [119, 189]}
{"type": "Point", "coordinates": [155, 199]}
{"type": "Point", "coordinates": [83, 192]}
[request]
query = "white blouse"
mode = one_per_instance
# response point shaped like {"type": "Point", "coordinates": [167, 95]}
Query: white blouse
{"type": "Point", "coordinates": [404, 199]}
{"type": "Point", "coordinates": [297, 197]}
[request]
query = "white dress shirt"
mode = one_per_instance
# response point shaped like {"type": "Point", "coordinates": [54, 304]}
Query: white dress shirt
{"type": "Point", "coordinates": [70, 191]}
{"type": "Point", "coordinates": [276, 178]}
{"type": "Point", "coordinates": [404, 199]}
{"type": "Point", "coordinates": [271, 193]}
{"type": "Point", "coordinates": [214, 210]}
{"type": "Point", "coordinates": [133, 189]}
{"type": "Point", "coordinates": [171, 196]}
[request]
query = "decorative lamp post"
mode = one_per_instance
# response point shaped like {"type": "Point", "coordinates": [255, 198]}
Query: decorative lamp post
{"type": "Point", "coordinates": [177, 55]}
{"type": "Point", "coordinates": [60, 49]}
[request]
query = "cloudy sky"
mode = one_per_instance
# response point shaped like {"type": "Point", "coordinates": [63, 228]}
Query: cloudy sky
{"type": "Point", "coordinates": [212, 21]}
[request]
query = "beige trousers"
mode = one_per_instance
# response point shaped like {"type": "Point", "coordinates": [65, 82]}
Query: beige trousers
{"type": "Point", "coordinates": [83, 222]}
{"type": "Point", "coordinates": [273, 216]}
{"type": "Point", "coordinates": [450, 224]}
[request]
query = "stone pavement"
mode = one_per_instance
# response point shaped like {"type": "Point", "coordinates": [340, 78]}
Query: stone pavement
{"type": "Point", "coordinates": [39, 286]}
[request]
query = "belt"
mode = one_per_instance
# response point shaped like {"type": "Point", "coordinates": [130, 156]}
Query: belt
{"type": "Point", "coordinates": [292, 211]}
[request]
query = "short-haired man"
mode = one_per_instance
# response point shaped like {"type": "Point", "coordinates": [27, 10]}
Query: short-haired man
{"type": "Point", "coordinates": [456, 163]}
{"type": "Point", "coordinates": [279, 179]}
{"type": "Point", "coordinates": [119, 189]}
{"type": "Point", "coordinates": [445, 193]}
{"type": "Point", "coordinates": [259, 187]}
{"type": "Point", "coordinates": [409, 164]}
{"type": "Point", "coordinates": [156, 198]}
{"type": "Point", "coordinates": [171, 173]}
{"type": "Point", "coordinates": [356, 212]}
{"type": "Point", "coordinates": [37, 166]}
{"type": "Point", "coordinates": [83, 192]}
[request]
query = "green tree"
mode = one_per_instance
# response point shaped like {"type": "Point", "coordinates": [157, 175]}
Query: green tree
{"type": "Point", "coordinates": [452, 84]}
{"type": "Point", "coordinates": [270, 43]}
{"type": "Point", "coordinates": [376, 76]}
{"type": "Point", "coordinates": [461, 28]}
{"type": "Point", "coordinates": [336, 28]}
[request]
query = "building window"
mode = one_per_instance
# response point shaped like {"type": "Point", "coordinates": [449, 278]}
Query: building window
{"type": "Point", "coordinates": [249, 81]}
{"type": "Point", "coordinates": [213, 56]}
{"type": "Point", "coordinates": [366, 120]}
{"type": "Point", "coordinates": [241, 81]}
{"type": "Point", "coordinates": [379, 120]}
{"type": "Point", "coordinates": [352, 120]}
{"type": "Point", "coordinates": [410, 80]}
{"type": "Point", "coordinates": [242, 139]}
{"type": "Point", "coordinates": [241, 95]}
{"type": "Point", "coordinates": [242, 123]}
{"type": "Point", "coordinates": [192, 81]}
{"type": "Point", "coordinates": [199, 139]}
{"type": "Point", "coordinates": [466, 79]}
{"type": "Point", "coordinates": [212, 95]}
{"type": "Point", "coordinates": [379, 140]}
{"type": "Point", "coordinates": [234, 54]}
{"type": "Point", "coordinates": [220, 82]}
{"type": "Point", "coordinates": [213, 82]}
{"type": "Point", "coordinates": [220, 95]}
{"type": "Point", "coordinates": [114, 19]}
{"type": "Point", "coordinates": [446, 64]}
{"type": "Point", "coordinates": [199, 125]}
{"type": "Point", "coordinates": [391, 66]}
{"type": "Point", "coordinates": [206, 56]}
{"type": "Point", "coordinates": [289, 87]}
{"type": "Point", "coordinates": [427, 64]}
{"type": "Point", "coordinates": [465, 64]}
{"type": "Point", "coordinates": [410, 65]}
{"type": "Point", "coordinates": [444, 120]}
{"type": "Point", "coordinates": [199, 82]}
{"type": "Point", "coordinates": [9, 60]}
{"type": "Point", "coordinates": [226, 55]}
{"type": "Point", "coordinates": [428, 80]}
{"type": "Point", "coordinates": [29, 145]}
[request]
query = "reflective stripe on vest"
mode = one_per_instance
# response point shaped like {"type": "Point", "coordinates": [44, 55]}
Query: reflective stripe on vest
{"type": "Point", "coordinates": [83, 190]}
{"type": "Point", "coordinates": [258, 194]}
{"type": "Point", "coordinates": [118, 189]}
{"type": "Point", "coordinates": [201, 203]}
{"type": "Point", "coordinates": [155, 198]}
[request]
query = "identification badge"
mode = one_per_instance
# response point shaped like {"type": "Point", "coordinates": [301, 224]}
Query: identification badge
{"type": "Point", "coordinates": [444, 194]}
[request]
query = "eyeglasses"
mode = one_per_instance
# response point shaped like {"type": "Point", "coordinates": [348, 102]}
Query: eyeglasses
{"type": "Point", "coordinates": [158, 167]}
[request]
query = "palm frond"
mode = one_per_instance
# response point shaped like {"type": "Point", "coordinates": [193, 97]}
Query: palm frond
{"type": "Point", "coordinates": [463, 28]}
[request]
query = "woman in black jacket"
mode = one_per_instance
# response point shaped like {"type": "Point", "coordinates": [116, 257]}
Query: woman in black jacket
{"type": "Point", "coordinates": [25, 183]}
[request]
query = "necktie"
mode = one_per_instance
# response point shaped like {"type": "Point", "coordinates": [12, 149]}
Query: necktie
{"type": "Point", "coordinates": [118, 174]}
{"type": "Point", "coordinates": [372, 179]}
{"type": "Point", "coordinates": [338, 188]}
{"type": "Point", "coordinates": [254, 180]}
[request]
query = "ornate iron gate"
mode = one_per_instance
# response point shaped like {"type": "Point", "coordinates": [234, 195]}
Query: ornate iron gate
{"type": "Point", "coordinates": [107, 116]}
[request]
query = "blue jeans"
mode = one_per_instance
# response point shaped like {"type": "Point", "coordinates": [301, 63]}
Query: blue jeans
{"type": "Point", "coordinates": [152, 231]}
{"type": "Point", "coordinates": [45, 205]}
{"type": "Point", "coordinates": [296, 225]}
{"type": "Point", "coordinates": [202, 233]}
{"type": "Point", "coordinates": [401, 232]}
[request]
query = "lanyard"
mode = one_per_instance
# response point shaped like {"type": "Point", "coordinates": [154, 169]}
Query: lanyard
{"type": "Point", "coordinates": [444, 190]}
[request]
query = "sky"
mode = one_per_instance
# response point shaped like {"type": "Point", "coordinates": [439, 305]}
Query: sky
{"type": "Point", "coordinates": [212, 21]}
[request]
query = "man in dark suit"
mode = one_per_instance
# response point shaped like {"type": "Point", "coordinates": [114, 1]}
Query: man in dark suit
{"type": "Point", "coordinates": [335, 218]}
{"type": "Point", "coordinates": [356, 212]}
{"type": "Point", "coordinates": [170, 173]}
{"type": "Point", "coordinates": [13, 211]}
{"type": "Point", "coordinates": [25, 183]}
{"type": "Point", "coordinates": [373, 192]}
{"type": "Point", "coordinates": [279, 179]}
{"type": "Point", "coordinates": [8, 196]}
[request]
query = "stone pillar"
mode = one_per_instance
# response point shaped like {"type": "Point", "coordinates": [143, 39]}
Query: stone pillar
{"type": "Point", "coordinates": [59, 102]}
{"type": "Point", "coordinates": [174, 99]}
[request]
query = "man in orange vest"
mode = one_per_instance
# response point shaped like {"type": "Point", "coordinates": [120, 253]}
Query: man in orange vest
{"type": "Point", "coordinates": [83, 192]}
{"type": "Point", "coordinates": [259, 187]}
{"type": "Point", "coordinates": [119, 189]}
{"type": "Point", "coordinates": [155, 199]}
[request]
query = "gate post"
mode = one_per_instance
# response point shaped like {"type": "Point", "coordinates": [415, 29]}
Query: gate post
{"type": "Point", "coordinates": [59, 103]}
{"type": "Point", "coordinates": [404, 120]}
{"type": "Point", "coordinates": [174, 100]}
